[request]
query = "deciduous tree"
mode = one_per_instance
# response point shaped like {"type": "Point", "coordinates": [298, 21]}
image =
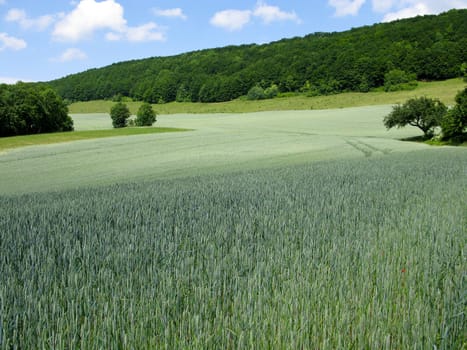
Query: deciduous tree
{"type": "Point", "coordinates": [423, 113]}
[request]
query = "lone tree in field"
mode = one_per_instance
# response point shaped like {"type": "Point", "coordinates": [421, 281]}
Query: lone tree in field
{"type": "Point", "coordinates": [424, 113]}
{"type": "Point", "coordinates": [454, 124]}
{"type": "Point", "coordinates": [119, 114]}
{"type": "Point", "coordinates": [146, 115]}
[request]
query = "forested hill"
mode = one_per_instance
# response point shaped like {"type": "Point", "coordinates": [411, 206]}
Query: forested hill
{"type": "Point", "coordinates": [428, 47]}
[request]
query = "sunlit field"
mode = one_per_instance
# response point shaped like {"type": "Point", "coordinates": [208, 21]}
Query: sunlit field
{"type": "Point", "coordinates": [271, 230]}
{"type": "Point", "coordinates": [217, 143]}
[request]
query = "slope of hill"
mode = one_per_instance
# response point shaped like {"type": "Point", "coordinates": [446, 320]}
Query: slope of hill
{"type": "Point", "coordinates": [429, 47]}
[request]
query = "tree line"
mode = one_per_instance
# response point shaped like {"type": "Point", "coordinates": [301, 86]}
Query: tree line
{"type": "Point", "coordinates": [27, 108]}
{"type": "Point", "coordinates": [361, 59]}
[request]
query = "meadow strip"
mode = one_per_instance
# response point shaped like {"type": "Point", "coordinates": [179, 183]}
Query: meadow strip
{"type": "Point", "coordinates": [44, 139]}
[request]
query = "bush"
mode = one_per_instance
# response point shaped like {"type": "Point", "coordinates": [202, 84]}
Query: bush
{"type": "Point", "coordinates": [396, 80]}
{"type": "Point", "coordinates": [271, 91]}
{"type": "Point", "coordinates": [256, 93]}
{"type": "Point", "coordinates": [145, 115]}
{"type": "Point", "coordinates": [454, 124]}
{"type": "Point", "coordinates": [119, 114]}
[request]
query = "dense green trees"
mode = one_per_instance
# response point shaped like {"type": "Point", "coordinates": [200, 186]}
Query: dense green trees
{"type": "Point", "coordinates": [454, 124]}
{"type": "Point", "coordinates": [426, 48]}
{"type": "Point", "coordinates": [32, 109]}
{"type": "Point", "coordinates": [119, 114]}
{"type": "Point", "coordinates": [145, 115]}
{"type": "Point", "coordinates": [423, 113]}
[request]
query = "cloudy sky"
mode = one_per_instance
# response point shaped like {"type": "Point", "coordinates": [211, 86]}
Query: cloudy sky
{"type": "Point", "coordinates": [44, 40]}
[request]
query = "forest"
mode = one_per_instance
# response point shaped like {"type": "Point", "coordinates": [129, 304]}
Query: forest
{"type": "Point", "coordinates": [360, 59]}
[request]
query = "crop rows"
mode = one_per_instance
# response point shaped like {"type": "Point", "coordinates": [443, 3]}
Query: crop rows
{"type": "Point", "coordinates": [366, 253]}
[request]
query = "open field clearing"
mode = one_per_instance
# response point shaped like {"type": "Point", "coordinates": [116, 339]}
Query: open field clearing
{"type": "Point", "coordinates": [367, 252]}
{"type": "Point", "coordinates": [443, 90]}
{"type": "Point", "coordinates": [217, 143]}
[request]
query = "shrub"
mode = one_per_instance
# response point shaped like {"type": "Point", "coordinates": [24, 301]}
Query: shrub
{"type": "Point", "coordinates": [119, 114]}
{"type": "Point", "coordinates": [145, 115]}
{"type": "Point", "coordinates": [256, 93]}
{"type": "Point", "coordinates": [454, 124]}
{"type": "Point", "coordinates": [397, 79]}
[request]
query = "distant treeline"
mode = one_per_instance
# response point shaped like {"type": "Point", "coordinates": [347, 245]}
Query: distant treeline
{"type": "Point", "coordinates": [427, 48]}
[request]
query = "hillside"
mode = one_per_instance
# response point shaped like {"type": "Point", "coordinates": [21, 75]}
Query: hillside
{"type": "Point", "coordinates": [428, 47]}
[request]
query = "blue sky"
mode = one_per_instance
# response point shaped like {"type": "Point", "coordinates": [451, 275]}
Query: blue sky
{"type": "Point", "coordinates": [44, 40]}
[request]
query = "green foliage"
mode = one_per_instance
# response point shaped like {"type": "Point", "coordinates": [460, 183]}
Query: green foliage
{"type": "Point", "coordinates": [119, 114]}
{"type": "Point", "coordinates": [431, 47]}
{"type": "Point", "coordinates": [32, 109]}
{"type": "Point", "coordinates": [423, 113]}
{"type": "Point", "coordinates": [397, 79]}
{"type": "Point", "coordinates": [454, 124]}
{"type": "Point", "coordinates": [146, 116]}
{"type": "Point", "coordinates": [350, 254]}
{"type": "Point", "coordinates": [256, 93]}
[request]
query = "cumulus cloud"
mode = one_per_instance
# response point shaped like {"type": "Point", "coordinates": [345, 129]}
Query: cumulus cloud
{"type": "Point", "coordinates": [231, 19]}
{"type": "Point", "coordinates": [72, 54]}
{"type": "Point", "coordinates": [8, 42]}
{"type": "Point", "coordinates": [396, 9]}
{"type": "Point", "coordinates": [273, 13]}
{"type": "Point", "coordinates": [416, 10]}
{"type": "Point", "coordinates": [172, 13]}
{"type": "Point", "coordinates": [20, 16]}
{"type": "Point", "coordinates": [346, 7]}
{"type": "Point", "coordinates": [90, 16]}
{"type": "Point", "coordinates": [145, 32]}
{"type": "Point", "coordinates": [237, 19]}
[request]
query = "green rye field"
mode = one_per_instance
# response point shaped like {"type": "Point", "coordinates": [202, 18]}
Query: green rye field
{"type": "Point", "coordinates": [312, 229]}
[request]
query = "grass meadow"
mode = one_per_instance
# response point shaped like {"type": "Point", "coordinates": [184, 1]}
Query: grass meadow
{"type": "Point", "coordinates": [313, 229]}
{"type": "Point", "coordinates": [443, 90]}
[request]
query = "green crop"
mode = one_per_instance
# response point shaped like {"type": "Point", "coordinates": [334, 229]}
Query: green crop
{"type": "Point", "coordinates": [362, 253]}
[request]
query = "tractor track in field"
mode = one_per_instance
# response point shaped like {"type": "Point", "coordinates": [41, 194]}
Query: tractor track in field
{"type": "Point", "coordinates": [366, 148]}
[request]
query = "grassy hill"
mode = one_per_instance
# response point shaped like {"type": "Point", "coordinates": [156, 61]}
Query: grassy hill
{"type": "Point", "coordinates": [443, 90]}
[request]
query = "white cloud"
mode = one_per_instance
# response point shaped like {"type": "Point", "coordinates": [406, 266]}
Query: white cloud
{"type": "Point", "coordinates": [20, 16]}
{"type": "Point", "coordinates": [88, 17]}
{"type": "Point", "coordinates": [416, 10]}
{"type": "Point", "coordinates": [172, 13]}
{"type": "Point", "coordinates": [346, 7]}
{"type": "Point", "coordinates": [11, 80]}
{"type": "Point", "coordinates": [273, 13]}
{"type": "Point", "coordinates": [383, 5]}
{"type": "Point", "coordinates": [231, 20]}
{"type": "Point", "coordinates": [398, 9]}
{"type": "Point", "coordinates": [10, 42]}
{"type": "Point", "coordinates": [144, 32]}
{"type": "Point", "coordinates": [72, 54]}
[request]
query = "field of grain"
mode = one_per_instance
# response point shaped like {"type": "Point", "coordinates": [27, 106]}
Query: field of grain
{"type": "Point", "coordinates": [217, 143]}
{"type": "Point", "coordinates": [271, 230]}
{"type": "Point", "coordinates": [358, 253]}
